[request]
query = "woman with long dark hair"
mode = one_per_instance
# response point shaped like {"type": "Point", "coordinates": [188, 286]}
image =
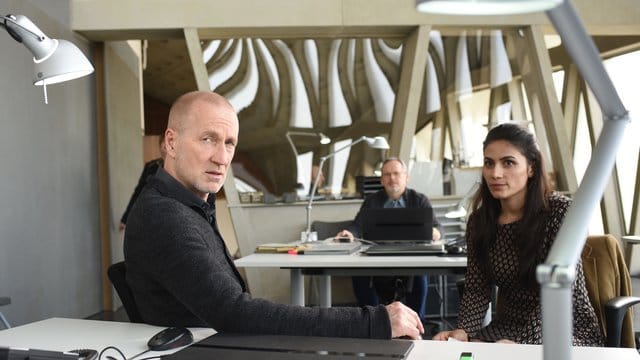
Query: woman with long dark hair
{"type": "Point", "coordinates": [514, 221]}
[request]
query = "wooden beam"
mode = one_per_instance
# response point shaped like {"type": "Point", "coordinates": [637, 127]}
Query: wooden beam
{"type": "Point", "coordinates": [571, 102]}
{"type": "Point", "coordinates": [405, 110]}
{"type": "Point", "coordinates": [102, 155]}
{"type": "Point", "coordinates": [535, 67]}
{"type": "Point", "coordinates": [611, 204]}
{"type": "Point", "coordinates": [101, 20]}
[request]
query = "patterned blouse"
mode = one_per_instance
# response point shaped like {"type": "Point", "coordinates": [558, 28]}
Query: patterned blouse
{"type": "Point", "coordinates": [520, 318]}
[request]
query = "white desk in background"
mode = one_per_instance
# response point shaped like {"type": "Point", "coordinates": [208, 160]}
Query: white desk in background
{"type": "Point", "coordinates": [349, 265]}
{"type": "Point", "coordinates": [58, 334]}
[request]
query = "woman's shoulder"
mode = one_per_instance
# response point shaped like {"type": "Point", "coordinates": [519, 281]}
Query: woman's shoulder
{"type": "Point", "coordinates": [558, 203]}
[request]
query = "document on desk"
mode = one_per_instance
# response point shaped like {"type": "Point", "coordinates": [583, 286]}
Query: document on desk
{"type": "Point", "coordinates": [330, 247]}
{"type": "Point", "coordinates": [263, 347]}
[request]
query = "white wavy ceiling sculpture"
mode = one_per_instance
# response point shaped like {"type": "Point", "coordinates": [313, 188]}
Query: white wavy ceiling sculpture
{"type": "Point", "coordinates": [344, 88]}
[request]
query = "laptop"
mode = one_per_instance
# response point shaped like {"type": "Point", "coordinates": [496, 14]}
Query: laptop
{"type": "Point", "coordinates": [400, 231]}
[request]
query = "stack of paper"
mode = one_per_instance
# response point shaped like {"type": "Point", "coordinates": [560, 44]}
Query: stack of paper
{"type": "Point", "coordinates": [280, 247]}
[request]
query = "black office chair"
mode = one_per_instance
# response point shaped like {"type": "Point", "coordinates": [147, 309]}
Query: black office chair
{"type": "Point", "coordinates": [117, 274]}
{"type": "Point", "coordinates": [4, 301]}
{"type": "Point", "coordinates": [327, 229]}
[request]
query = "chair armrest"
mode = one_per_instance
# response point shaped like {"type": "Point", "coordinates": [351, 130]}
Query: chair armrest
{"type": "Point", "coordinates": [614, 311]}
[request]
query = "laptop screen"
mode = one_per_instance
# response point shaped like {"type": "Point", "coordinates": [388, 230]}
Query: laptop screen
{"type": "Point", "coordinates": [397, 224]}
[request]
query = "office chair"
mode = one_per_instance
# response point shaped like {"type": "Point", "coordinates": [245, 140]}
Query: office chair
{"type": "Point", "coordinates": [117, 274]}
{"type": "Point", "coordinates": [326, 229]}
{"type": "Point", "coordinates": [4, 301]}
{"type": "Point", "coordinates": [609, 287]}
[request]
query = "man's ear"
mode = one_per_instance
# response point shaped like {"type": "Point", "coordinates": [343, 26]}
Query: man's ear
{"type": "Point", "coordinates": [170, 142]}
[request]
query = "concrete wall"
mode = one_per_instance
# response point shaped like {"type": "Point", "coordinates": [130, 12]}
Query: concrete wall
{"type": "Point", "coordinates": [49, 248]}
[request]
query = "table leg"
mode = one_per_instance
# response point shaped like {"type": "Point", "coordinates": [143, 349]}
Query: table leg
{"type": "Point", "coordinates": [325, 291]}
{"type": "Point", "coordinates": [297, 287]}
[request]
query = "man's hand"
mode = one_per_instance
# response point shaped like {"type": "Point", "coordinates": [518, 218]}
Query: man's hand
{"type": "Point", "coordinates": [435, 234]}
{"type": "Point", "coordinates": [404, 321]}
{"type": "Point", "coordinates": [457, 334]}
{"type": "Point", "coordinates": [345, 233]}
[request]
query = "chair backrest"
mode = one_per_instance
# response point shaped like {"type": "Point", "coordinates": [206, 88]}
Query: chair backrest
{"type": "Point", "coordinates": [327, 229]}
{"type": "Point", "coordinates": [607, 277]}
{"type": "Point", "coordinates": [117, 274]}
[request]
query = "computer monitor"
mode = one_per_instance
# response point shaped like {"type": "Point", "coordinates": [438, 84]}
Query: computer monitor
{"type": "Point", "coordinates": [397, 224]}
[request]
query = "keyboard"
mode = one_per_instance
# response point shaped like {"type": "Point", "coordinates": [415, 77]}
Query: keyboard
{"type": "Point", "coordinates": [406, 249]}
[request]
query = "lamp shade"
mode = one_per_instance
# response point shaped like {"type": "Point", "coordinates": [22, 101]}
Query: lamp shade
{"type": "Point", "coordinates": [377, 142]}
{"type": "Point", "coordinates": [55, 60]}
{"type": "Point", "coordinates": [484, 7]}
{"type": "Point", "coordinates": [66, 62]}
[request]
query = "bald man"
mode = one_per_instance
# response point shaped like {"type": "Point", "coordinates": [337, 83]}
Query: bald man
{"type": "Point", "coordinates": [178, 267]}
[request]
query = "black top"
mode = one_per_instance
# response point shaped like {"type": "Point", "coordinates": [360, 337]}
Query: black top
{"type": "Point", "coordinates": [181, 274]}
{"type": "Point", "coordinates": [519, 315]}
{"type": "Point", "coordinates": [411, 198]}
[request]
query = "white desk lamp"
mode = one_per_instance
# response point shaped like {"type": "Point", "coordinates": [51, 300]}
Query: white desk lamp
{"type": "Point", "coordinates": [557, 274]}
{"type": "Point", "coordinates": [54, 60]}
{"type": "Point", "coordinates": [377, 142]}
{"type": "Point", "coordinates": [324, 140]}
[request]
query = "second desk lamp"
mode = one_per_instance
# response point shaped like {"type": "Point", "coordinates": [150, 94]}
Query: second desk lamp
{"type": "Point", "coordinates": [377, 142]}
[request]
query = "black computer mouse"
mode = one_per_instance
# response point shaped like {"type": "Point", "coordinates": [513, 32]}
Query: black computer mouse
{"type": "Point", "coordinates": [454, 250]}
{"type": "Point", "coordinates": [170, 338]}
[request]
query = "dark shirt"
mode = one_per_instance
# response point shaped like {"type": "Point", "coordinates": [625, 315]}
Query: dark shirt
{"type": "Point", "coordinates": [410, 197]}
{"type": "Point", "coordinates": [181, 274]}
{"type": "Point", "coordinates": [149, 169]}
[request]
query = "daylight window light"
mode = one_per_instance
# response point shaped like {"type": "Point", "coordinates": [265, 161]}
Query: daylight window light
{"type": "Point", "coordinates": [557, 274]}
{"type": "Point", "coordinates": [55, 61]}
{"type": "Point", "coordinates": [484, 7]}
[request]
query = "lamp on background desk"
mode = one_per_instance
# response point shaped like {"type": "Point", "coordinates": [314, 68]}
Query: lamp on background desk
{"type": "Point", "coordinates": [324, 140]}
{"type": "Point", "coordinates": [377, 142]}
{"type": "Point", "coordinates": [557, 274]}
{"type": "Point", "coordinates": [54, 60]}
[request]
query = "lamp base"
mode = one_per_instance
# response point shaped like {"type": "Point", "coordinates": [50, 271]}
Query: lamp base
{"type": "Point", "coordinates": [308, 236]}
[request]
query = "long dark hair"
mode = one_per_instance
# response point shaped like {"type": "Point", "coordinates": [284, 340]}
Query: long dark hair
{"type": "Point", "coordinates": [486, 209]}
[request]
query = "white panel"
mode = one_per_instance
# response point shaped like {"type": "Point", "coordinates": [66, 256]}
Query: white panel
{"type": "Point", "coordinates": [394, 54]}
{"type": "Point", "coordinates": [500, 69]}
{"type": "Point", "coordinates": [311, 55]}
{"type": "Point", "coordinates": [300, 110]}
{"type": "Point", "coordinates": [272, 72]}
{"type": "Point", "coordinates": [226, 71]}
{"type": "Point", "coordinates": [243, 94]}
{"type": "Point", "coordinates": [381, 91]}
{"type": "Point", "coordinates": [339, 114]}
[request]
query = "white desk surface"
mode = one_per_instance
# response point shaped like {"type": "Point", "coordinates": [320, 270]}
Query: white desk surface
{"type": "Point", "coordinates": [443, 350]}
{"type": "Point", "coordinates": [60, 334]}
{"type": "Point", "coordinates": [349, 261]}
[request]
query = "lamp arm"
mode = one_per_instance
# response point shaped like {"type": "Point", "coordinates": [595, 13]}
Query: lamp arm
{"type": "Point", "coordinates": [293, 147]}
{"type": "Point", "coordinates": [315, 181]}
{"type": "Point", "coordinates": [557, 274]}
{"type": "Point", "coordinates": [11, 18]}
{"type": "Point", "coordinates": [37, 42]}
